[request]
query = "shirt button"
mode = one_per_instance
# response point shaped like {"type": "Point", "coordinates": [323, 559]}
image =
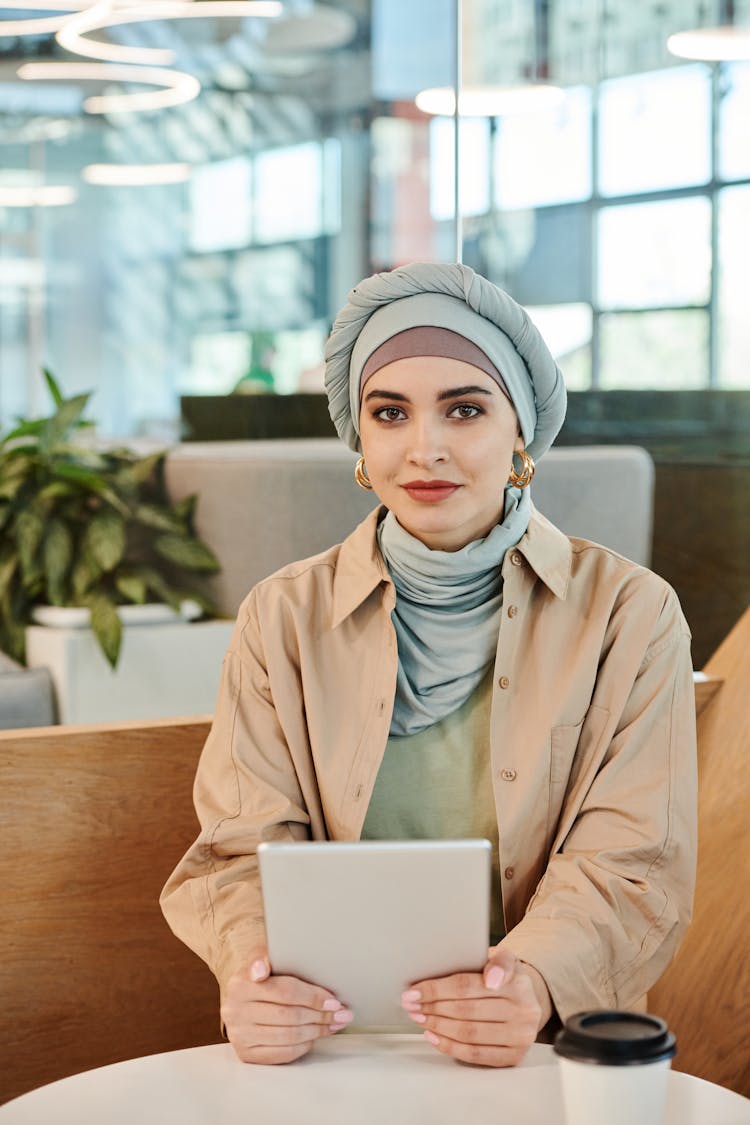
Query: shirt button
{"type": "Point", "coordinates": [504, 682]}
{"type": "Point", "coordinates": [512, 610]}
{"type": "Point", "coordinates": [515, 558]}
{"type": "Point", "coordinates": [508, 873]}
{"type": "Point", "coordinates": [508, 775]}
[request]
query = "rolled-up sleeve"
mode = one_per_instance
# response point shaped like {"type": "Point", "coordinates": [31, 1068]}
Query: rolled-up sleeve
{"type": "Point", "coordinates": [246, 791]}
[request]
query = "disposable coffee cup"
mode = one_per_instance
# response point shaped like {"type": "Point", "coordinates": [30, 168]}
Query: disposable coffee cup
{"type": "Point", "coordinates": [614, 1068]}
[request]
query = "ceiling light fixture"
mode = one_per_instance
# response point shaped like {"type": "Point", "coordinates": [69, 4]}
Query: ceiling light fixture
{"type": "Point", "coordinates": [73, 36]}
{"type": "Point", "coordinates": [489, 101]}
{"type": "Point", "coordinates": [41, 25]}
{"type": "Point", "coordinates": [49, 196]}
{"type": "Point", "coordinates": [178, 87]}
{"type": "Point", "coordinates": [136, 175]}
{"type": "Point", "coordinates": [711, 44]}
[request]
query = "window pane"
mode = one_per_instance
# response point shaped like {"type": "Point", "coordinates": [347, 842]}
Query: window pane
{"type": "Point", "coordinates": [660, 350]}
{"type": "Point", "coordinates": [655, 131]}
{"type": "Point", "coordinates": [567, 333]}
{"type": "Point", "coordinates": [734, 123]}
{"type": "Point", "coordinates": [653, 254]}
{"type": "Point", "coordinates": [474, 140]}
{"type": "Point", "coordinates": [734, 283]}
{"type": "Point", "coordinates": [545, 158]}
{"type": "Point", "coordinates": [289, 193]}
{"type": "Point", "coordinates": [228, 226]}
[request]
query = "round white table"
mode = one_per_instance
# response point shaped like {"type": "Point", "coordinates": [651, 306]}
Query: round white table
{"type": "Point", "coordinates": [348, 1080]}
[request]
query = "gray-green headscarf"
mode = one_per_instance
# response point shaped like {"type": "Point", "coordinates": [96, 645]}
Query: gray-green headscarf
{"type": "Point", "coordinates": [447, 603]}
{"type": "Point", "coordinates": [378, 309]}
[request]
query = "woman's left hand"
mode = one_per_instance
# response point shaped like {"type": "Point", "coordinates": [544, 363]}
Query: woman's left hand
{"type": "Point", "coordinates": [489, 1018]}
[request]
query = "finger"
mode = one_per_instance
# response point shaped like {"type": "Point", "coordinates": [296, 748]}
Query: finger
{"type": "Point", "coordinates": [459, 986]}
{"type": "Point", "coordinates": [500, 969]}
{"type": "Point", "coordinates": [514, 1033]}
{"type": "Point", "coordinates": [485, 1009]}
{"type": "Point", "coordinates": [476, 1054]}
{"type": "Point", "coordinates": [258, 967]}
{"type": "Point", "coordinates": [275, 1035]}
{"type": "Point", "coordinates": [287, 991]}
{"type": "Point", "coordinates": [271, 1056]}
{"type": "Point", "coordinates": [286, 1015]}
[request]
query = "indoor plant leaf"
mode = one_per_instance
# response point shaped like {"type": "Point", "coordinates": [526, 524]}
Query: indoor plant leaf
{"type": "Point", "coordinates": [133, 588]}
{"type": "Point", "coordinates": [52, 387]}
{"type": "Point", "coordinates": [58, 554]}
{"type": "Point", "coordinates": [104, 539]}
{"type": "Point", "coordinates": [190, 553]}
{"type": "Point", "coordinates": [8, 568]}
{"type": "Point", "coordinates": [159, 586]}
{"type": "Point", "coordinates": [24, 429]}
{"type": "Point", "coordinates": [159, 518]}
{"type": "Point", "coordinates": [29, 534]}
{"type": "Point", "coordinates": [57, 427]}
{"type": "Point", "coordinates": [105, 621]}
{"type": "Point", "coordinates": [84, 575]}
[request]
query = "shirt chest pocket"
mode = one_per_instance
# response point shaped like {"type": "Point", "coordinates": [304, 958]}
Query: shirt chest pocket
{"type": "Point", "coordinates": [575, 750]}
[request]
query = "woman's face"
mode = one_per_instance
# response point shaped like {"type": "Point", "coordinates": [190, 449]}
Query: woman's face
{"type": "Point", "coordinates": [438, 437]}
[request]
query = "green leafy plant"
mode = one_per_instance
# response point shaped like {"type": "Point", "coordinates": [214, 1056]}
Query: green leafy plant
{"type": "Point", "coordinates": [81, 526]}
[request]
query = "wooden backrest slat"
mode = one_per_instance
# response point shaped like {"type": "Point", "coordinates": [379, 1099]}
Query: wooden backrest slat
{"type": "Point", "coordinates": [705, 994]}
{"type": "Point", "coordinates": [93, 821]}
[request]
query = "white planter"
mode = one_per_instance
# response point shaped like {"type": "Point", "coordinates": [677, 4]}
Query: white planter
{"type": "Point", "coordinates": [166, 669]}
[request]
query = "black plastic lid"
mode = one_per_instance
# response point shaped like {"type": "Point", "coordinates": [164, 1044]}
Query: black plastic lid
{"type": "Point", "coordinates": [612, 1038]}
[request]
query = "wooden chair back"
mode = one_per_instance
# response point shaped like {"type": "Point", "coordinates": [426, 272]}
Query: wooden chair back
{"type": "Point", "coordinates": [705, 994]}
{"type": "Point", "coordinates": [93, 821]}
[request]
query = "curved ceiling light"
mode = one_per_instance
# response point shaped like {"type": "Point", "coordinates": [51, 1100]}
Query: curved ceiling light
{"type": "Point", "coordinates": [41, 25]}
{"type": "Point", "coordinates": [48, 196]}
{"type": "Point", "coordinates": [178, 87]}
{"type": "Point", "coordinates": [711, 44]}
{"type": "Point", "coordinates": [73, 36]}
{"type": "Point", "coordinates": [489, 101]}
{"type": "Point", "coordinates": [136, 175]}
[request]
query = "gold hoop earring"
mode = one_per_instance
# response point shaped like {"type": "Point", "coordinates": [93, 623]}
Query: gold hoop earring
{"type": "Point", "coordinates": [360, 475]}
{"type": "Point", "coordinates": [522, 479]}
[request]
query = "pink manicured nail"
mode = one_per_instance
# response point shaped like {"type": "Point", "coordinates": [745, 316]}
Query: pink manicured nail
{"type": "Point", "coordinates": [417, 1017]}
{"type": "Point", "coordinates": [258, 970]}
{"type": "Point", "coordinates": [343, 1017]}
{"type": "Point", "coordinates": [411, 996]}
{"type": "Point", "coordinates": [431, 1038]}
{"type": "Point", "coordinates": [494, 977]}
{"type": "Point", "coordinates": [331, 1006]}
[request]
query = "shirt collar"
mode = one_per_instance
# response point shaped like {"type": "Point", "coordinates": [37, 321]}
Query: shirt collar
{"type": "Point", "coordinates": [548, 552]}
{"type": "Point", "coordinates": [361, 569]}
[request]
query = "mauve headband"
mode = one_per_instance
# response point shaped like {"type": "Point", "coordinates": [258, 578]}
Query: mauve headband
{"type": "Point", "coordinates": [428, 341]}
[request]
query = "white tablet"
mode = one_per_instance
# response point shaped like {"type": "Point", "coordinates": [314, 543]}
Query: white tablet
{"type": "Point", "coordinates": [366, 920]}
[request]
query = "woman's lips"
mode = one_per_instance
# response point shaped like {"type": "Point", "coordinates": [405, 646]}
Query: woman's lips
{"type": "Point", "coordinates": [430, 491]}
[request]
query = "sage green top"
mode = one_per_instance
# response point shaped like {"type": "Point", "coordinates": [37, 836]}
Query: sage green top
{"type": "Point", "coordinates": [437, 785]}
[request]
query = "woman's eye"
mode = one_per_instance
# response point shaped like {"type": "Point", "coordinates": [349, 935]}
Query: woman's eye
{"type": "Point", "coordinates": [466, 410]}
{"type": "Point", "coordinates": [389, 413]}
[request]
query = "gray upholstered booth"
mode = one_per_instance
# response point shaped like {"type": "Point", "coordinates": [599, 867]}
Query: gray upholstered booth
{"type": "Point", "coordinates": [265, 503]}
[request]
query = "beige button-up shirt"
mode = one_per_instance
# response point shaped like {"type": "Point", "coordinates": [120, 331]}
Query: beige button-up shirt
{"type": "Point", "coordinates": [592, 756]}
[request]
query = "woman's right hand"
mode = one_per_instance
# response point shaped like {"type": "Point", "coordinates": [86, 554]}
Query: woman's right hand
{"type": "Point", "coordinates": [272, 1019]}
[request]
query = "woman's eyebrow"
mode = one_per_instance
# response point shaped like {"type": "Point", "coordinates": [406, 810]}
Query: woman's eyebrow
{"type": "Point", "coordinates": [453, 392]}
{"type": "Point", "coordinates": [459, 392]}
{"type": "Point", "coordinates": [394, 395]}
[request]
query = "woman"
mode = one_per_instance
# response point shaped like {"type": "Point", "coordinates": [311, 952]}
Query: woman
{"type": "Point", "coordinates": [456, 667]}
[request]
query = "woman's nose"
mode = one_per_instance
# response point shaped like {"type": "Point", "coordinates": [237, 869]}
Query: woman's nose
{"type": "Point", "coordinates": [427, 446]}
